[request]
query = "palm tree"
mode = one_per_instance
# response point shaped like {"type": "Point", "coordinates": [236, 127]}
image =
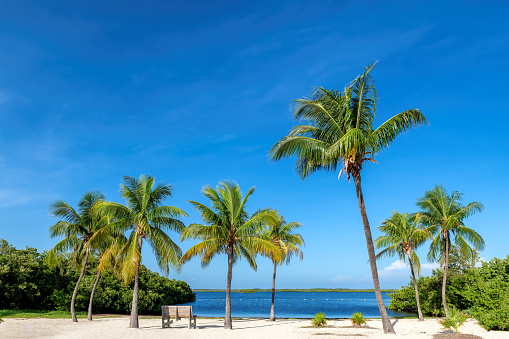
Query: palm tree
{"type": "Point", "coordinates": [340, 129]}
{"type": "Point", "coordinates": [107, 252]}
{"type": "Point", "coordinates": [444, 215]}
{"type": "Point", "coordinates": [77, 229]}
{"type": "Point", "coordinates": [402, 236]}
{"type": "Point", "coordinates": [229, 229]}
{"type": "Point", "coordinates": [281, 235]}
{"type": "Point", "coordinates": [96, 282]}
{"type": "Point", "coordinates": [143, 219]}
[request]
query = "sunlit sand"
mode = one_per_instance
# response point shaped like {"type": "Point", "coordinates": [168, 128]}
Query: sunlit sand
{"type": "Point", "coordinates": [213, 328]}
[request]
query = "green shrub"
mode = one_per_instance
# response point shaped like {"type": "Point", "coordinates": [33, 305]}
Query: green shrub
{"type": "Point", "coordinates": [483, 292]}
{"type": "Point", "coordinates": [357, 319]}
{"type": "Point", "coordinates": [430, 295]}
{"type": "Point", "coordinates": [487, 290]}
{"type": "Point", "coordinates": [27, 283]}
{"type": "Point", "coordinates": [455, 319]}
{"type": "Point", "coordinates": [319, 320]}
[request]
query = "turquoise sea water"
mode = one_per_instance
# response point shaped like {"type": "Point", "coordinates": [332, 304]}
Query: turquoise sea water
{"type": "Point", "coordinates": [291, 304]}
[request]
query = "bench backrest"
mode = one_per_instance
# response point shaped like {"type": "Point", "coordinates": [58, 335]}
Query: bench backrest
{"type": "Point", "coordinates": [177, 311]}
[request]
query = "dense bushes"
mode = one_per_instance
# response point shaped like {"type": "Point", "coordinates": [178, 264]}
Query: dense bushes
{"type": "Point", "coordinates": [482, 292]}
{"type": "Point", "coordinates": [487, 291]}
{"type": "Point", "coordinates": [27, 283]}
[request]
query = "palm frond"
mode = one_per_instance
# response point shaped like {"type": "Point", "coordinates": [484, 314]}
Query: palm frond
{"type": "Point", "coordinates": [62, 246]}
{"type": "Point", "coordinates": [208, 215]}
{"type": "Point", "coordinates": [113, 210]}
{"type": "Point", "coordinates": [63, 210]}
{"type": "Point", "coordinates": [472, 236]}
{"type": "Point", "coordinates": [130, 258]}
{"type": "Point", "coordinates": [167, 253]}
{"type": "Point", "coordinates": [389, 130]}
{"type": "Point", "coordinates": [248, 255]}
{"type": "Point", "coordinates": [205, 248]}
{"type": "Point", "coordinates": [389, 251]}
{"type": "Point", "coordinates": [435, 248]}
{"type": "Point", "coordinates": [416, 263]}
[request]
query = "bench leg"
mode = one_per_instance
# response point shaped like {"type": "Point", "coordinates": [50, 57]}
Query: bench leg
{"type": "Point", "coordinates": [167, 323]}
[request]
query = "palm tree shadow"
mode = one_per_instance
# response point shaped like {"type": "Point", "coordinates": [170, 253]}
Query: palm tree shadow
{"type": "Point", "coordinates": [269, 323]}
{"type": "Point", "coordinates": [395, 321]}
{"type": "Point", "coordinates": [241, 324]}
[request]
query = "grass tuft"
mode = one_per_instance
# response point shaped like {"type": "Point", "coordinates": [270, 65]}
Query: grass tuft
{"type": "Point", "coordinates": [358, 319]}
{"type": "Point", "coordinates": [319, 320]}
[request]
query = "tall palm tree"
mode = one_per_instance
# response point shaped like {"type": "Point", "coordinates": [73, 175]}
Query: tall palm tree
{"type": "Point", "coordinates": [281, 235]}
{"type": "Point", "coordinates": [444, 215]}
{"type": "Point", "coordinates": [229, 229]}
{"type": "Point", "coordinates": [403, 235]}
{"type": "Point", "coordinates": [77, 227]}
{"type": "Point", "coordinates": [142, 219]}
{"type": "Point", "coordinates": [340, 129]}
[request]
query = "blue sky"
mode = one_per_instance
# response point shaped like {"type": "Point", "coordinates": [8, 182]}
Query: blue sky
{"type": "Point", "coordinates": [195, 93]}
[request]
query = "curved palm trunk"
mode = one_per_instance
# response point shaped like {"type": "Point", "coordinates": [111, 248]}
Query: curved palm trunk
{"type": "Point", "coordinates": [446, 266]}
{"type": "Point", "coordinates": [228, 311]}
{"type": "Point", "coordinates": [272, 314]}
{"type": "Point", "coordinates": [92, 294]}
{"type": "Point", "coordinates": [371, 253]}
{"type": "Point", "coordinates": [419, 312]}
{"type": "Point", "coordinates": [75, 293]}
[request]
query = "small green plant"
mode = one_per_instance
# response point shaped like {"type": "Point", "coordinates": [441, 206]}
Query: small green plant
{"type": "Point", "coordinates": [455, 319]}
{"type": "Point", "coordinates": [357, 319]}
{"type": "Point", "coordinates": [319, 320]}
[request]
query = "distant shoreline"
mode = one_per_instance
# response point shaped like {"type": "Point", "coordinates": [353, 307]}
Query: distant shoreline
{"type": "Point", "coordinates": [254, 290]}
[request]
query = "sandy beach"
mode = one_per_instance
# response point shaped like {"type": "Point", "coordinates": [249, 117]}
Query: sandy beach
{"type": "Point", "coordinates": [213, 328]}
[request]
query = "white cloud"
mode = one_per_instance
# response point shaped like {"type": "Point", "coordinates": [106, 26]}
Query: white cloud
{"type": "Point", "coordinates": [430, 266]}
{"type": "Point", "coordinates": [397, 269]}
{"type": "Point", "coordinates": [397, 265]}
{"type": "Point", "coordinates": [342, 278]}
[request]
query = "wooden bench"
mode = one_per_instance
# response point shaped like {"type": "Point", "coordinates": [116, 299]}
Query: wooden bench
{"type": "Point", "coordinates": [177, 312]}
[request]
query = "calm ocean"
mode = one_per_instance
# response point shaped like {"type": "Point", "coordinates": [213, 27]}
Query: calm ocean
{"type": "Point", "coordinates": [291, 304]}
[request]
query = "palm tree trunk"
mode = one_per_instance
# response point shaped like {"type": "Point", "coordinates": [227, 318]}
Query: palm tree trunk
{"type": "Point", "coordinates": [272, 314]}
{"type": "Point", "coordinates": [75, 293]}
{"type": "Point", "coordinates": [387, 326]}
{"type": "Point", "coordinates": [133, 322]}
{"type": "Point", "coordinates": [446, 266]}
{"type": "Point", "coordinates": [228, 311]}
{"type": "Point", "coordinates": [92, 294]}
{"type": "Point", "coordinates": [419, 312]}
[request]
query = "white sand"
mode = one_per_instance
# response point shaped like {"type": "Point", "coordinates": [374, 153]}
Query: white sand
{"type": "Point", "coordinates": [213, 328]}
